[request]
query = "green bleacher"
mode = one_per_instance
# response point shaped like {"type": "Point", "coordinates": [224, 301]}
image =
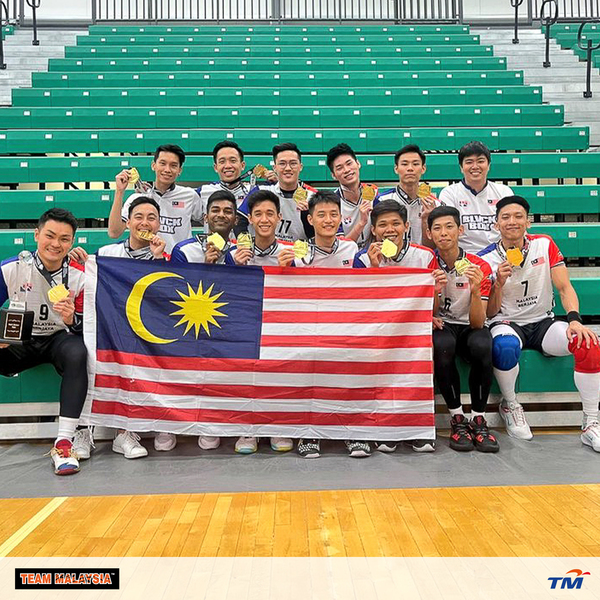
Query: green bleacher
{"type": "Point", "coordinates": [565, 35]}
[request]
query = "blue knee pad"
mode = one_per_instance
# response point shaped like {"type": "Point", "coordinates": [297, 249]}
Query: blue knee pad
{"type": "Point", "coordinates": [506, 351]}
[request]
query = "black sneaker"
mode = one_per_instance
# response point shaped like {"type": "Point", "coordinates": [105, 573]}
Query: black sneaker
{"type": "Point", "coordinates": [460, 435]}
{"type": "Point", "coordinates": [423, 445]}
{"type": "Point", "coordinates": [309, 448]}
{"type": "Point", "coordinates": [385, 446]}
{"type": "Point", "coordinates": [482, 438]}
{"type": "Point", "coordinates": [357, 449]}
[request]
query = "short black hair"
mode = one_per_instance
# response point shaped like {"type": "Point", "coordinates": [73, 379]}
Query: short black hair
{"type": "Point", "coordinates": [142, 200]}
{"type": "Point", "coordinates": [284, 148]}
{"type": "Point", "coordinates": [339, 150]}
{"type": "Point", "coordinates": [388, 206]}
{"type": "Point", "coordinates": [474, 149]}
{"type": "Point", "coordinates": [323, 197]}
{"type": "Point", "coordinates": [58, 214]}
{"type": "Point", "coordinates": [443, 211]}
{"type": "Point", "coordinates": [263, 196]}
{"type": "Point", "coordinates": [409, 148]}
{"type": "Point", "coordinates": [227, 144]}
{"type": "Point", "coordinates": [512, 200]}
{"type": "Point", "coordinates": [221, 195]}
{"type": "Point", "coordinates": [173, 149]}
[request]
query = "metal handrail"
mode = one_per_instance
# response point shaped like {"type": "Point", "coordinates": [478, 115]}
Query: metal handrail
{"type": "Point", "coordinates": [547, 22]}
{"type": "Point", "coordinates": [34, 5]}
{"type": "Point", "coordinates": [3, 7]}
{"type": "Point", "coordinates": [589, 48]}
{"type": "Point", "coordinates": [515, 4]}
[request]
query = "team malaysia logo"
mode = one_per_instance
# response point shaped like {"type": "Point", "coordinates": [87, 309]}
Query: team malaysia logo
{"type": "Point", "coordinates": [53, 579]}
{"type": "Point", "coordinates": [568, 583]}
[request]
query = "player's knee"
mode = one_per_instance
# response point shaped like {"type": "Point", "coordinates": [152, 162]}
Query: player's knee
{"type": "Point", "coordinates": [587, 360]}
{"type": "Point", "coordinates": [480, 346]}
{"type": "Point", "coordinates": [506, 351]}
{"type": "Point", "coordinates": [75, 355]}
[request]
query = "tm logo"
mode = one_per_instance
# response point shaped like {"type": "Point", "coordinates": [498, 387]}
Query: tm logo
{"type": "Point", "coordinates": [568, 583]}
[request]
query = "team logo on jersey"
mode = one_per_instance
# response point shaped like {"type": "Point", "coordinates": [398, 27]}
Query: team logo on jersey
{"type": "Point", "coordinates": [26, 287]}
{"type": "Point", "coordinates": [538, 261]}
{"type": "Point", "coordinates": [347, 220]}
{"type": "Point", "coordinates": [463, 203]}
{"type": "Point", "coordinates": [461, 284]}
{"type": "Point", "coordinates": [345, 262]}
{"type": "Point", "coordinates": [178, 204]}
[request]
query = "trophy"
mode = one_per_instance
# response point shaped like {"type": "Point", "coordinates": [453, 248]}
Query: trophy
{"type": "Point", "coordinates": [16, 322]}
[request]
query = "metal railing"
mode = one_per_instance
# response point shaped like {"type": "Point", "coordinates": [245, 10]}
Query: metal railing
{"type": "Point", "coordinates": [447, 11]}
{"type": "Point", "coordinates": [571, 10]}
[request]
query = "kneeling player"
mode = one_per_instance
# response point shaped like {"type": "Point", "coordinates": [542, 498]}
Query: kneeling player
{"type": "Point", "coordinates": [461, 331]}
{"type": "Point", "coordinates": [520, 307]}
{"type": "Point", "coordinates": [57, 326]}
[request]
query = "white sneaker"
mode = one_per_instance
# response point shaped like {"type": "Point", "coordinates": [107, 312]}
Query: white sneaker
{"type": "Point", "coordinates": [165, 442]}
{"type": "Point", "coordinates": [280, 444]}
{"type": "Point", "coordinates": [246, 445]}
{"type": "Point", "coordinates": [83, 442]}
{"type": "Point", "coordinates": [513, 415]}
{"type": "Point", "coordinates": [128, 444]}
{"type": "Point", "coordinates": [590, 435]}
{"type": "Point", "coordinates": [209, 442]}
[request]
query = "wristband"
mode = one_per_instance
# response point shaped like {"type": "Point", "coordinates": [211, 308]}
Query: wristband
{"type": "Point", "coordinates": [573, 315]}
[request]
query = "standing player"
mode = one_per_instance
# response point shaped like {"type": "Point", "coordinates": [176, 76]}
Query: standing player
{"type": "Point", "coordinates": [475, 197]}
{"type": "Point", "coordinates": [325, 250]}
{"type": "Point", "coordinates": [345, 169]}
{"type": "Point", "coordinates": [178, 204]}
{"type": "Point", "coordinates": [292, 193]}
{"type": "Point", "coordinates": [57, 326]}
{"type": "Point", "coordinates": [262, 250]}
{"type": "Point", "coordinates": [526, 267]}
{"type": "Point", "coordinates": [409, 165]}
{"type": "Point", "coordinates": [461, 331]}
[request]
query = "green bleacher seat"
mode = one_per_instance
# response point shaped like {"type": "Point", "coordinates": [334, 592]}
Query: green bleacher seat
{"type": "Point", "coordinates": [575, 240]}
{"type": "Point", "coordinates": [561, 199]}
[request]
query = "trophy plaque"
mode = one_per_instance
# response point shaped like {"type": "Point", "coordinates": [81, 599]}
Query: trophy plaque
{"type": "Point", "coordinates": [16, 322]}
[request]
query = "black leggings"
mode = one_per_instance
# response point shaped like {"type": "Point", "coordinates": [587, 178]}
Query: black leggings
{"type": "Point", "coordinates": [67, 353]}
{"type": "Point", "coordinates": [475, 346]}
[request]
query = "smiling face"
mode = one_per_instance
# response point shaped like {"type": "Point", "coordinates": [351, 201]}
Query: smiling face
{"type": "Point", "coordinates": [229, 165]}
{"type": "Point", "coordinates": [144, 217]}
{"type": "Point", "coordinates": [390, 226]}
{"type": "Point", "coordinates": [54, 240]}
{"type": "Point", "coordinates": [326, 219]}
{"type": "Point", "coordinates": [409, 168]}
{"type": "Point", "coordinates": [346, 170]}
{"type": "Point", "coordinates": [444, 233]}
{"type": "Point", "coordinates": [475, 169]}
{"type": "Point", "coordinates": [287, 167]}
{"type": "Point", "coordinates": [221, 217]}
{"type": "Point", "coordinates": [167, 169]}
{"type": "Point", "coordinates": [264, 218]}
{"type": "Point", "coordinates": [512, 223]}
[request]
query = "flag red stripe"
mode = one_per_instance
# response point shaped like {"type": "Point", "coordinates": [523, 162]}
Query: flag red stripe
{"type": "Point", "coordinates": [345, 341]}
{"type": "Point", "coordinates": [329, 367]}
{"type": "Point", "coordinates": [350, 317]}
{"type": "Point", "coordinates": [349, 293]}
{"type": "Point", "coordinates": [342, 273]}
{"type": "Point", "coordinates": [265, 392]}
{"type": "Point", "coordinates": [253, 418]}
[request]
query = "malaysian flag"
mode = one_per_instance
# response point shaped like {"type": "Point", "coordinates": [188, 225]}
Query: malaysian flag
{"type": "Point", "coordinates": [227, 351]}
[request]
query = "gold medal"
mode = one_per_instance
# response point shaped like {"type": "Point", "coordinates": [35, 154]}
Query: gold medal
{"type": "Point", "coordinates": [300, 249]}
{"type": "Point", "coordinates": [462, 265]}
{"type": "Point", "coordinates": [300, 195]}
{"type": "Point", "coordinates": [260, 171]}
{"type": "Point", "coordinates": [244, 240]}
{"type": "Point", "coordinates": [134, 176]}
{"type": "Point", "coordinates": [514, 256]}
{"type": "Point", "coordinates": [369, 192]}
{"type": "Point", "coordinates": [145, 235]}
{"type": "Point", "coordinates": [389, 249]}
{"type": "Point", "coordinates": [424, 190]}
{"type": "Point", "coordinates": [58, 293]}
{"type": "Point", "coordinates": [216, 240]}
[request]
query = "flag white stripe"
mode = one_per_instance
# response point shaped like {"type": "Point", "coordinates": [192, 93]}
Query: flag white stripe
{"type": "Point", "coordinates": [352, 280]}
{"type": "Point", "coordinates": [347, 329]}
{"type": "Point", "coordinates": [300, 305]}
{"type": "Point", "coordinates": [347, 354]}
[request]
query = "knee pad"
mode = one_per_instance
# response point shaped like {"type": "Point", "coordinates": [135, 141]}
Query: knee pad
{"type": "Point", "coordinates": [506, 351]}
{"type": "Point", "coordinates": [587, 360]}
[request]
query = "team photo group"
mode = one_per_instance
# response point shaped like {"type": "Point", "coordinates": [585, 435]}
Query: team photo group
{"type": "Point", "coordinates": [493, 282]}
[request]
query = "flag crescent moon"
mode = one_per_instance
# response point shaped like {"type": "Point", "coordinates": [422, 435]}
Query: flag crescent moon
{"type": "Point", "coordinates": [133, 307]}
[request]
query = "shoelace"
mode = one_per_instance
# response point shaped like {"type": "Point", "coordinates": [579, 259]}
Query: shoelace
{"type": "Point", "coordinates": [79, 433]}
{"type": "Point", "coordinates": [134, 437]}
{"type": "Point", "coordinates": [594, 426]}
{"type": "Point", "coordinates": [518, 414]}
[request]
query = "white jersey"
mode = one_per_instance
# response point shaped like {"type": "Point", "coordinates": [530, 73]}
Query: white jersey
{"type": "Point", "coordinates": [455, 298]}
{"type": "Point", "coordinates": [528, 294]}
{"type": "Point", "coordinates": [341, 256]}
{"type": "Point", "coordinates": [351, 214]}
{"type": "Point", "coordinates": [414, 210]}
{"type": "Point", "coordinates": [45, 321]}
{"type": "Point", "coordinates": [477, 212]}
{"type": "Point", "coordinates": [194, 251]}
{"type": "Point", "coordinates": [205, 191]}
{"type": "Point", "coordinates": [291, 227]}
{"type": "Point", "coordinates": [123, 250]}
{"type": "Point", "coordinates": [262, 258]}
{"type": "Point", "coordinates": [413, 256]}
{"type": "Point", "coordinates": [178, 206]}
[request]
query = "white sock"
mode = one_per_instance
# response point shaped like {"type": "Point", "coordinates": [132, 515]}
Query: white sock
{"type": "Point", "coordinates": [66, 428]}
{"type": "Point", "coordinates": [507, 381]}
{"type": "Point", "coordinates": [476, 414]}
{"type": "Point", "coordinates": [588, 385]}
{"type": "Point", "coordinates": [456, 411]}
